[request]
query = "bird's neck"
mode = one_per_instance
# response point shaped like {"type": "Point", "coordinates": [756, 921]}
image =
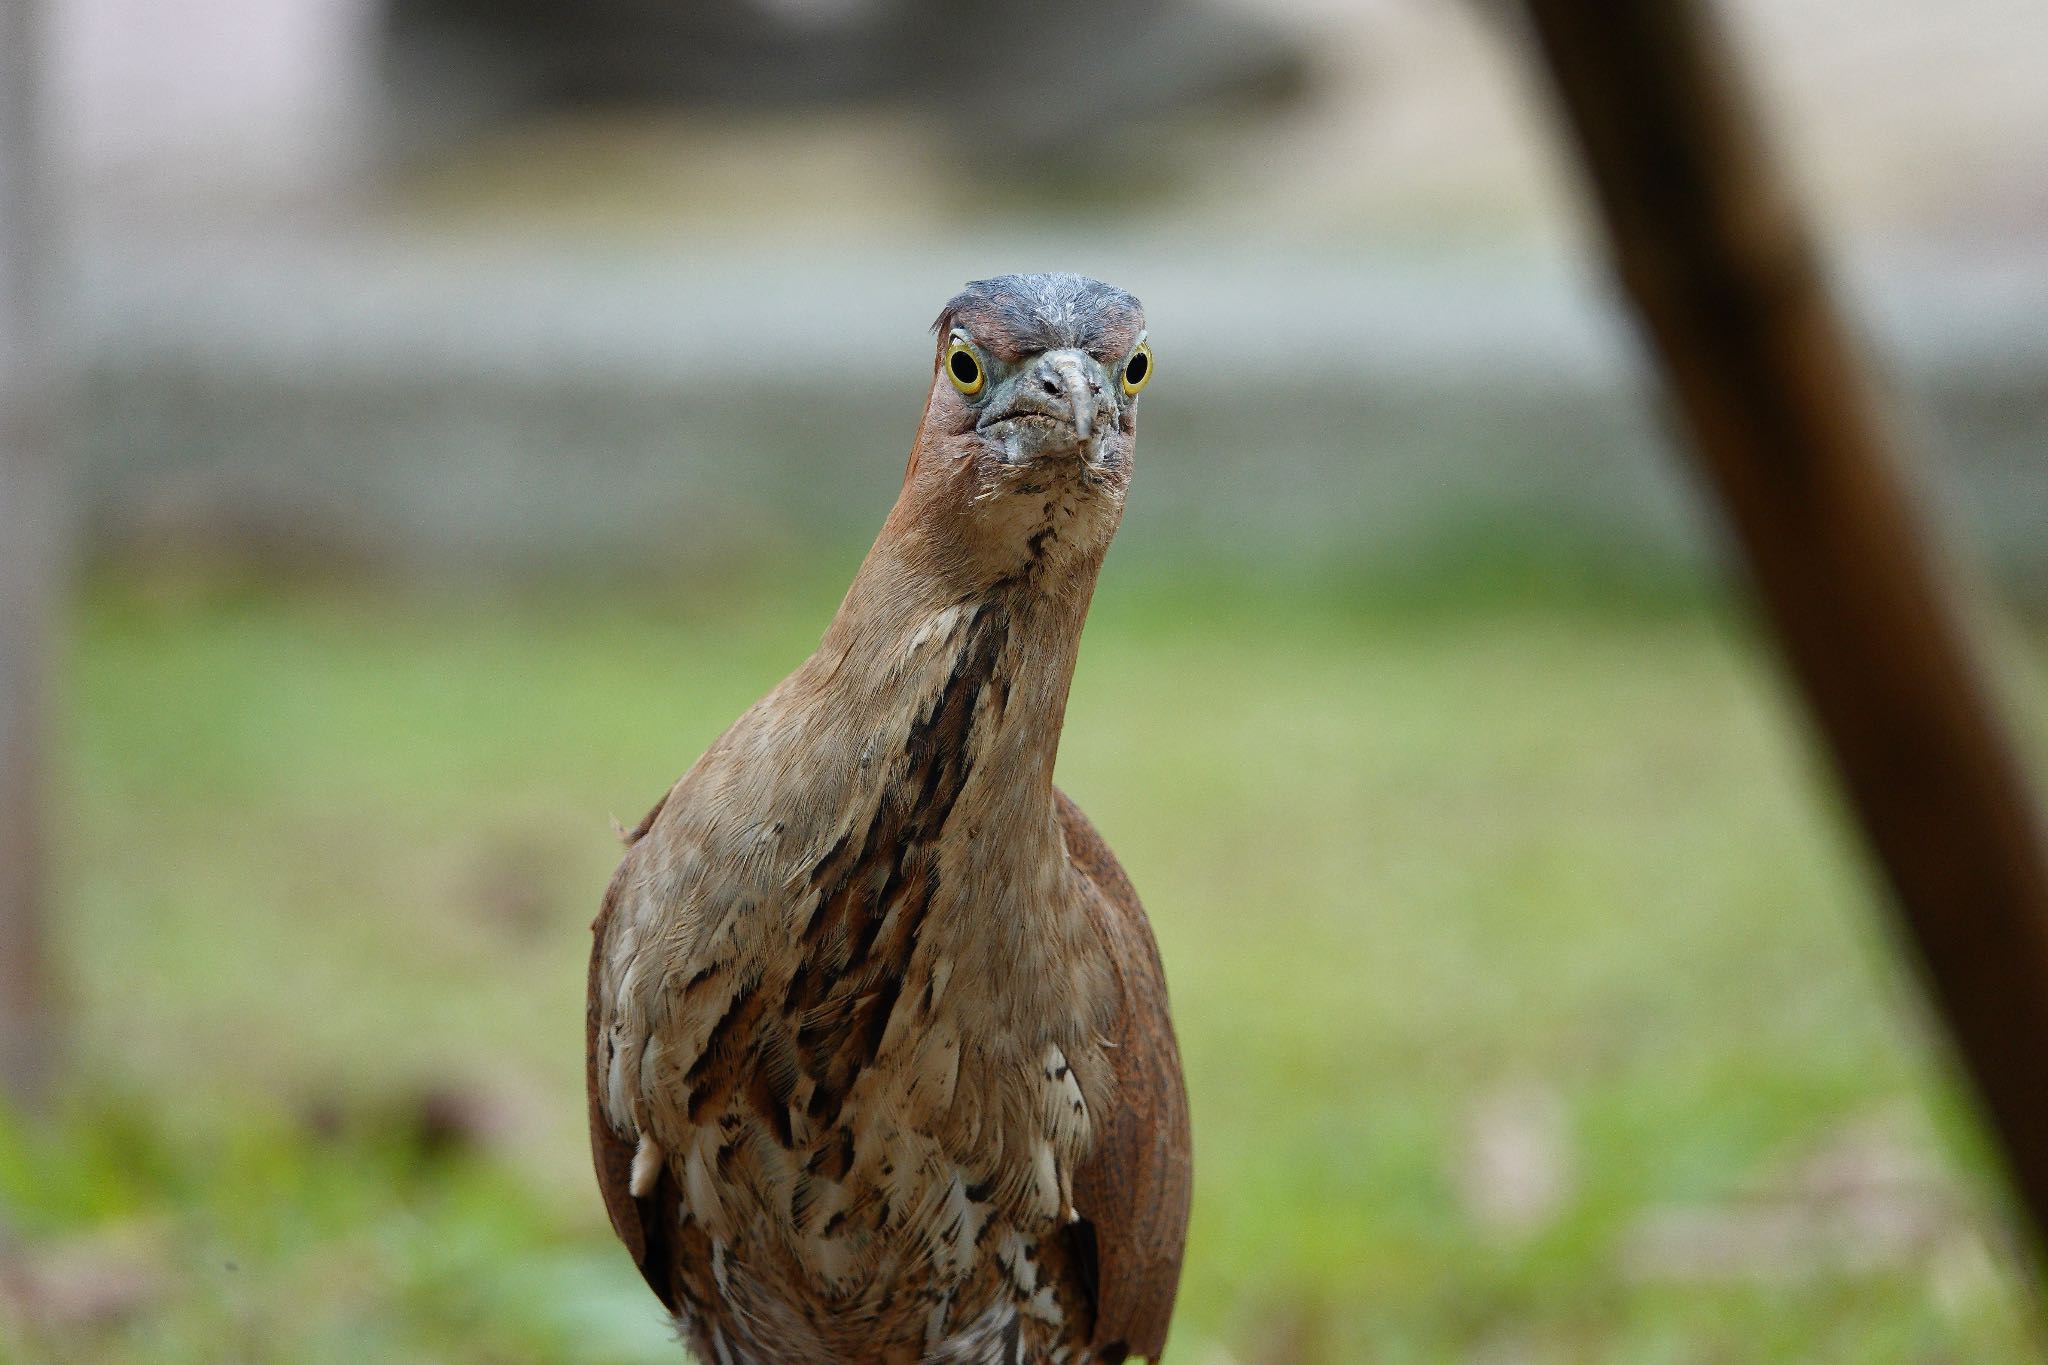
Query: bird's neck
{"type": "Point", "coordinates": [974, 667]}
{"type": "Point", "coordinates": [917, 748]}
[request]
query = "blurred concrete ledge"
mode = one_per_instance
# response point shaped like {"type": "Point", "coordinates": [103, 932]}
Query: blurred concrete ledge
{"type": "Point", "coordinates": [525, 402]}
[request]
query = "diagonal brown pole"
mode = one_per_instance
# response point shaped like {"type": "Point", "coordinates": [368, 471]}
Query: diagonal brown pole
{"type": "Point", "coordinates": [1787, 425]}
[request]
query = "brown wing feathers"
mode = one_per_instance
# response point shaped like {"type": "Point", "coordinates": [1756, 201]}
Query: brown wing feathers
{"type": "Point", "coordinates": [1131, 1192]}
{"type": "Point", "coordinates": [649, 1226]}
{"type": "Point", "coordinates": [1133, 1188]}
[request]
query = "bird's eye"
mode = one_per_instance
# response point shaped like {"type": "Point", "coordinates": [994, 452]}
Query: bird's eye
{"type": "Point", "coordinates": [1137, 370]}
{"type": "Point", "coordinates": [963, 367]}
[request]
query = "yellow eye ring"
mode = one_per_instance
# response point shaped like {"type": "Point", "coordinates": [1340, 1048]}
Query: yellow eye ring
{"type": "Point", "coordinates": [963, 367]}
{"type": "Point", "coordinates": [1137, 370]}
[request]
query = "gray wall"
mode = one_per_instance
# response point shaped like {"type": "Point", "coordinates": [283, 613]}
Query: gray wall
{"type": "Point", "coordinates": [540, 403]}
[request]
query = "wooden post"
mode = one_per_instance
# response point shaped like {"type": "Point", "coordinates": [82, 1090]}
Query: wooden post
{"type": "Point", "coordinates": [31, 534]}
{"type": "Point", "coordinates": [1790, 432]}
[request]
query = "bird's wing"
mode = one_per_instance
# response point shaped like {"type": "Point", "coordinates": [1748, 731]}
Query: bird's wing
{"type": "Point", "coordinates": [1132, 1189]}
{"type": "Point", "coordinates": [648, 1225]}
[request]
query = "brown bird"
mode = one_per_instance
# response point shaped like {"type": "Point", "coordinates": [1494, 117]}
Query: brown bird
{"type": "Point", "coordinates": [880, 1062]}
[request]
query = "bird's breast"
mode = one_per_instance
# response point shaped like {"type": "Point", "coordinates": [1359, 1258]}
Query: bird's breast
{"type": "Point", "coordinates": [858, 1016]}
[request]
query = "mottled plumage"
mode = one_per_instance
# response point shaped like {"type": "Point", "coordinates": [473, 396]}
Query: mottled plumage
{"type": "Point", "coordinates": [880, 1061]}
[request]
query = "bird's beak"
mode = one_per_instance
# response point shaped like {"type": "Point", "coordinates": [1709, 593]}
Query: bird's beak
{"type": "Point", "coordinates": [1074, 377]}
{"type": "Point", "coordinates": [1068, 386]}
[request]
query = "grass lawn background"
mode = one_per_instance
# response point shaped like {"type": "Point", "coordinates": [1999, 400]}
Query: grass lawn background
{"type": "Point", "coordinates": [1531, 999]}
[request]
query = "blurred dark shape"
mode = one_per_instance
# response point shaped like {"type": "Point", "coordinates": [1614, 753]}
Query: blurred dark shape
{"type": "Point", "coordinates": [427, 1125]}
{"type": "Point", "coordinates": [1292, 1331]}
{"type": "Point", "coordinates": [444, 1121]}
{"type": "Point", "coordinates": [1114, 68]}
{"type": "Point", "coordinates": [512, 882]}
{"type": "Point", "coordinates": [31, 521]}
{"type": "Point", "coordinates": [1793, 433]}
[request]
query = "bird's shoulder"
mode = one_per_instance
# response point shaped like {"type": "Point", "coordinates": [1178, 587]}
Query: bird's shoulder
{"type": "Point", "coordinates": [1132, 1189]}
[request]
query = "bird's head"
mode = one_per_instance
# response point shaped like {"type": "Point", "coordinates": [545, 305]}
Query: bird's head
{"type": "Point", "coordinates": [1031, 422]}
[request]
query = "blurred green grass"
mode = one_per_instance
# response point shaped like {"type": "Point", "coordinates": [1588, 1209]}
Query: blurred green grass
{"type": "Point", "coordinates": [1435, 873]}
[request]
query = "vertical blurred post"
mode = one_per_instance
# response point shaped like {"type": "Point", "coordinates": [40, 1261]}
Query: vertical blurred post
{"type": "Point", "coordinates": [1789, 429]}
{"type": "Point", "coordinates": [31, 520]}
